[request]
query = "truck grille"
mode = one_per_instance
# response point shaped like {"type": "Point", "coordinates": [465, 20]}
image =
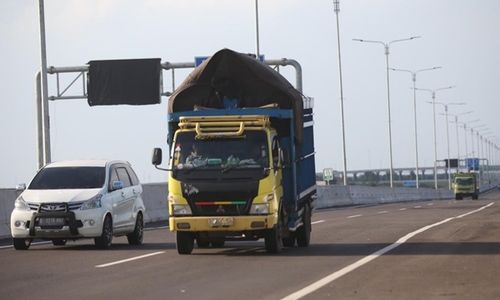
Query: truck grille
{"type": "Point", "coordinates": [216, 198]}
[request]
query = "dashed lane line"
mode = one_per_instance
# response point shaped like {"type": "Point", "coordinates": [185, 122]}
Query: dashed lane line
{"type": "Point", "coordinates": [336, 275]}
{"type": "Point", "coordinates": [418, 206]}
{"type": "Point", "coordinates": [402, 209]}
{"type": "Point", "coordinates": [382, 212]}
{"type": "Point", "coordinates": [128, 259]}
{"type": "Point", "coordinates": [354, 216]}
{"type": "Point", "coordinates": [317, 222]}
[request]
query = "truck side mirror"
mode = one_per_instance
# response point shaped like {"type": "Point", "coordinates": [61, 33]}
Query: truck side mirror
{"type": "Point", "coordinates": [157, 156]}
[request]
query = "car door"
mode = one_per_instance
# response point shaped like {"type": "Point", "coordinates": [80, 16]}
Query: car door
{"type": "Point", "coordinates": [126, 205]}
{"type": "Point", "coordinates": [116, 197]}
{"type": "Point", "coordinates": [136, 193]}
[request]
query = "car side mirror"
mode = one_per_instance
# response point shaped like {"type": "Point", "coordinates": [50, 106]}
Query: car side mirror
{"type": "Point", "coordinates": [157, 156]}
{"type": "Point", "coordinates": [117, 185]}
{"type": "Point", "coordinates": [21, 187]}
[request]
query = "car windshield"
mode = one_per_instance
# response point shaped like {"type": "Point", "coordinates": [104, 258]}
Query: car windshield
{"type": "Point", "coordinates": [248, 151]}
{"type": "Point", "coordinates": [464, 181]}
{"type": "Point", "coordinates": [68, 178]}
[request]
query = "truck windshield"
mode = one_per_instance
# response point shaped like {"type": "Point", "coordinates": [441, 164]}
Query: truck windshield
{"type": "Point", "coordinates": [248, 151]}
{"type": "Point", "coordinates": [69, 178]}
{"type": "Point", "coordinates": [464, 181]}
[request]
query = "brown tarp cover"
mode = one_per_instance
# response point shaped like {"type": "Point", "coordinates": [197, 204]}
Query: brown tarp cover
{"type": "Point", "coordinates": [236, 76]}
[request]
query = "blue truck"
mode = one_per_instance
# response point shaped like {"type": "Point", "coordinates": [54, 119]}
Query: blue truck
{"type": "Point", "coordinates": [241, 157]}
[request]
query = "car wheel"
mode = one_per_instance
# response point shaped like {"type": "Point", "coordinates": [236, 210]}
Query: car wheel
{"type": "Point", "coordinates": [21, 244]}
{"type": "Point", "coordinates": [58, 242]}
{"type": "Point", "coordinates": [104, 241]}
{"type": "Point", "coordinates": [185, 242]}
{"type": "Point", "coordinates": [135, 238]}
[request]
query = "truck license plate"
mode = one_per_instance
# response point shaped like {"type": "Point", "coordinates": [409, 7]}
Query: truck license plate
{"type": "Point", "coordinates": [51, 221]}
{"type": "Point", "coordinates": [220, 221]}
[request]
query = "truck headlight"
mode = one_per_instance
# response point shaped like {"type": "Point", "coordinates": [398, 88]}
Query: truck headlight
{"type": "Point", "coordinates": [94, 202]}
{"type": "Point", "coordinates": [181, 210]}
{"type": "Point", "coordinates": [21, 204]}
{"type": "Point", "coordinates": [259, 209]}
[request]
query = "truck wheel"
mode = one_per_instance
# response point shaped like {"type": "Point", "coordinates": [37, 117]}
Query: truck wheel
{"type": "Point", "coordinates": [289, 241]}
{"type": "Point", "coordinates": [475, 196]}
{"type": "Point", "coordinates": [185, 242]}
{"type": "Point", "coordinates": [136, 237]}
{"type": "Point", "coordinates": [58, 242]}
{"type": "Point", "coordinates": [104, 241]}
{"type": "Point", "coordinates": [21, 244]}
{"type": "Point", "coordinates": [272, 240]}
{"type": "Point", "coordinates": [304, 231]}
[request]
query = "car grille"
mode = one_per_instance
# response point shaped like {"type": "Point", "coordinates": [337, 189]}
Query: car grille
{"type": "Point", "coordinates": [55, 207]}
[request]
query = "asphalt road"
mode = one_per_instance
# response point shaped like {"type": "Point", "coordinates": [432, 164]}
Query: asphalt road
{"type": "Point", "coordinates": [420, 250]}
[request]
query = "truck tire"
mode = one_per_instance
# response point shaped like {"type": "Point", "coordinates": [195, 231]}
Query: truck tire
{"type": "Point", "coordinates": [106, 238]}
{"type": "Point", "coordinates": [185, 242]}
{"type": "Point", "coordinates": [458, 197]}
{"type": "Point", "coordinates": [21, 244]}
{"type": "Point", "coordinates": [289, 241]}
{"type": "Point", "coordinates": [58, 242]}
{"type": "Point", "coordinates": [272, 240]}
{"type": "Point", "coordinates": [136, 236]}
{"type": "Point", "coordinates": [304, 231]}
{"type": "Point", "coordinates": [475, 196]}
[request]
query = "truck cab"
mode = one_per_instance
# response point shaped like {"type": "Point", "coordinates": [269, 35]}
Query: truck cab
{"type": "Point", "coordinates": [464, 185]}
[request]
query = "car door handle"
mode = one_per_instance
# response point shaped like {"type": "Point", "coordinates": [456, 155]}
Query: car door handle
{"type": "Point", "coordinates": [123, 194]}
{"type": "Point", "coordinates": [134, 191]}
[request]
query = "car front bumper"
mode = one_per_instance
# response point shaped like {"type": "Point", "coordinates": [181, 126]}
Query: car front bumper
{"type": "Point", "coordinates": [78, 224]}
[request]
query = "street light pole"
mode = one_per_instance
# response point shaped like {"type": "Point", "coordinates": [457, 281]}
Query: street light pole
{"type": "Point", "coordinates": [386, 52]}
{"type": "Point", "coordinates": [448, 139]}
{"type": "Point", "coordinates": [414, 79]}
{"type": "Point", "coordinates": [433, 92]}
{"type": "Point", "coordinates": [257, 27]}
{"type": "Point", "coordinates": [344, 155]}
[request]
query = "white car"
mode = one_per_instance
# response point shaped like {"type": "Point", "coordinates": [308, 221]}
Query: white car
{"type": "Point", "coordinates": [69, 200]}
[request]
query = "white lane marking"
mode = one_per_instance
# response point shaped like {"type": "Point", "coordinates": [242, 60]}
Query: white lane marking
{"type": "Point", "coordinates": [430, 204]}
{"type": "Point", "coordinates": [418, 206]}
{"type": "Point", "coordinates": [354, 216]}
{"type": "Point", "coordinates": [317, 222]}
{"type": "Point", "coordinates": [382, 212]}
{"type": "Point", "coordinates": [402, 208]}
{"type": "Point", "coordinates": [336, 275]}
{"type": "Point", "coordinates": [32, 244]}
{"type": "Point", "coordinates": [129, 259]}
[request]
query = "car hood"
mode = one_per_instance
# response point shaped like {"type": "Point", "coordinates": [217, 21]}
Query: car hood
{"type": "Point", "coordinates": [54, 196]}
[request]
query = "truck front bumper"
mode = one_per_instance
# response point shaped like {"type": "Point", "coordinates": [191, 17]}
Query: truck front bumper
{"type": "Point", "coordinates": [223, 223]}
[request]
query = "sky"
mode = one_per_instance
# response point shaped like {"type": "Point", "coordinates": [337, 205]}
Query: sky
{"type": "Point", "coordinates": [460, 36]}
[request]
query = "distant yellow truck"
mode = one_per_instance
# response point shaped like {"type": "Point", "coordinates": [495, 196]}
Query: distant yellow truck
{"type": "Point", "coordinates": [466, 184]}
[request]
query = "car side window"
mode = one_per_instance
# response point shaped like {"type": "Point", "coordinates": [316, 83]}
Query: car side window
{"type": "Point", "coordinates": [133, 176]}
{"type": "Point", "coordinates": [123, 176]}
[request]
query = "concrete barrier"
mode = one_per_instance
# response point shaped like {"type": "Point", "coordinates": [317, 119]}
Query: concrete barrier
{"type": "Point", "coordinates": [155, 199]}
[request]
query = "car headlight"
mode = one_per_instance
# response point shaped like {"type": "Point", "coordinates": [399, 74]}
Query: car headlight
{"type": "Point", "coordinates": [259, 209]}
{"type": "Point", "coordinates": [181, 210]}
{"type": "Point", "coordinates": [21, 204]}
{"type": "Point", "coordinates": [94, 202]}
